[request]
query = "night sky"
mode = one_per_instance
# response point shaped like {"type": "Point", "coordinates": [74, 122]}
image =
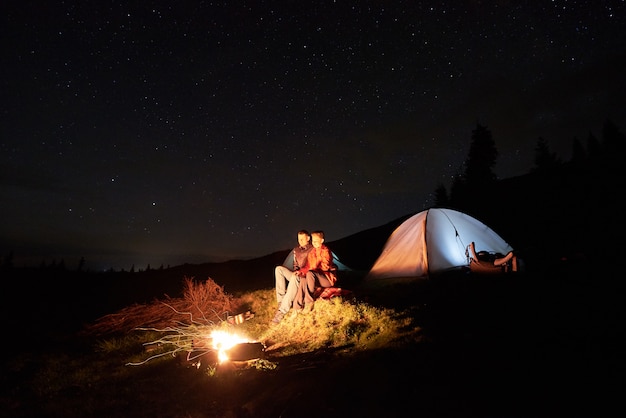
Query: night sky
{"type": "Point", "coordinates": [166, 132]}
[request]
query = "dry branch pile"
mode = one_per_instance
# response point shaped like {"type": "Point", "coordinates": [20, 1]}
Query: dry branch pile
{"type": "Point", "coordinates": [204, 303]}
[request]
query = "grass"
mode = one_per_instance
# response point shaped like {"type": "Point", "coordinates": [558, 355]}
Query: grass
{"type": "Point", "coordinates": [337, 323]}
{"type": "Point", "coordinates": [496, 334]}
{"type": "Point", "coordinates": [334, 323]}
{"type": "Point", "coordinates": [132, 357]}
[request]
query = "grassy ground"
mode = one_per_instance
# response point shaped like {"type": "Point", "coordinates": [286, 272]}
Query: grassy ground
{"type": "Point", "coordinates": [540, 345]}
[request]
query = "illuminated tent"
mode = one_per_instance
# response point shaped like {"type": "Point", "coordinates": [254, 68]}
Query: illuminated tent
{"type": "Point", "coordinates": [433, 241]}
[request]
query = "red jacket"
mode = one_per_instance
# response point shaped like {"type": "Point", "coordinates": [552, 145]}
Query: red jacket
{"type": "Point", "coordinates": [321, 259]}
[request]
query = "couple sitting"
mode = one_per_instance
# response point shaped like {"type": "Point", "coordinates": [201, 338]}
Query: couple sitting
{"type": "Point", "coordinates": [312, 267]}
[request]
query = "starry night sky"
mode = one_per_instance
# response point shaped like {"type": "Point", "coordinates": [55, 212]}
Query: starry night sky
{"type": "Point", "coordinates": [160, 132]}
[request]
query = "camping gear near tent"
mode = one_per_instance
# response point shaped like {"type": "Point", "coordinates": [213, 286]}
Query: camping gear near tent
{"type": "Point", "coordinates": [433, 241]}
{"type": "Point", "coordinates": [485, 262]}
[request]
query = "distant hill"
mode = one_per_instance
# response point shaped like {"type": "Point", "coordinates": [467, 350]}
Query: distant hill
{"type": "Point", "coordinates": [358, 251]}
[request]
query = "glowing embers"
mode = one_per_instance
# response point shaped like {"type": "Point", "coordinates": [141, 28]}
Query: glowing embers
{"type": "Point", "coordinates": [223, 341]}
{"type": "Point", "coordinates": [229, 347]}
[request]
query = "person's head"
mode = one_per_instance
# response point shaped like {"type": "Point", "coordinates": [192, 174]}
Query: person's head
{"type": "Point", "coordinates": [317, 238]}
{"type": "Point", "coordinates": [304, 237]}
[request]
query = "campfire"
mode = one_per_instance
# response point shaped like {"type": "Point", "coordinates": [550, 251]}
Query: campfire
{"type": "Point", "coordinates": [226, 348]}
{"type": "Point", "coordinates": [207, 345]}
{"type": "Point", "coordinates": [232, 347]}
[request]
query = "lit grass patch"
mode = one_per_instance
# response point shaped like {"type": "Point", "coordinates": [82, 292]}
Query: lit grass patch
{"type": "Point", "coordinates": [333, 323]}
{"type": "Point", "coordinates": [338, 323]}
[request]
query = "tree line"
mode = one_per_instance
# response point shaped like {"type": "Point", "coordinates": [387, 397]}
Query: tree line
{"type": "Point", "coordinates": [559, 208]}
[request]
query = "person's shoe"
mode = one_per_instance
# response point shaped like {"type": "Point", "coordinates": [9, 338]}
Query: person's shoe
{"type": "Point", "coordinates": [307, 308]}
{"type": "Point", "coordinates": [278, 316]}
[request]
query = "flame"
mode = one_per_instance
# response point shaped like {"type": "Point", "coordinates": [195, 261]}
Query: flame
{"type": "Point", "coordinates": [223, 341]}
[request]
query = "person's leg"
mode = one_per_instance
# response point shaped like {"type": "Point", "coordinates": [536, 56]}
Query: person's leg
{"type": "Point", "coordinates": [308, 288]}
{"type": "Point", "coordinates": [281, 274]}
{"type": "Point", "coordinates": [290, 294]}
{"type": "Point", "coordinates": [313, 280]}
{"type": "Point", "coordinates": [323, 281]}
{"type": "Point", "coordinates": [298, 302]}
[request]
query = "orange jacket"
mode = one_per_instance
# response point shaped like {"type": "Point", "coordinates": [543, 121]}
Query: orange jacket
{"type": "Point", "coordinates": [321, 259]}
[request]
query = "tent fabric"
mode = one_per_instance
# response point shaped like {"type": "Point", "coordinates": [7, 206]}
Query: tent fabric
{"type": "Point", "coordinates": [433, 241]}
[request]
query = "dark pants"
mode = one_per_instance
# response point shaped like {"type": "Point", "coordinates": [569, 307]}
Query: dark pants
{"type": "Point", "coordinates": [307, 287]}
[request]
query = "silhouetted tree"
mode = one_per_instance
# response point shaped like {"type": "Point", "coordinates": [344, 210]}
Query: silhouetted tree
{"type": "Point", "coordinates": [81, 264]}
{"type": "Point", "coordinates": [441, 196]}
{"type": "Point", "coordinates": [544, 159]}
{"type": "Point", "coordinates": [481, 158]}
{"type": "Point", "coordinates": [612, 172]}
{"type": "Point", "coordinates": [467, 190]}
{"type": "Point", "coordinates": [594, 148]}
{"type": "Point", "coordinates": [613, 139]}
{"type": "Point", "coordinates": [7, 261]}
{"type": "Point", "coordinates": [579, 155]}
{"type": "Point", "coordinates": [457, 190]}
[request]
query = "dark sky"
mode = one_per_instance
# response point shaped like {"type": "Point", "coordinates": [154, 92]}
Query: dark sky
{"type": "Point", "coordinates": [163, 132]}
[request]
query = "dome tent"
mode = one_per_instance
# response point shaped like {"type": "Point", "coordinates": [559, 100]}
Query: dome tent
{"type": "Point", "coordinates": [433, 241]}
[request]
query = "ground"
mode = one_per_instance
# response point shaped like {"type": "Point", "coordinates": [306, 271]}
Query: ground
{"type": "Point", "coordinates": [544, 345]}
